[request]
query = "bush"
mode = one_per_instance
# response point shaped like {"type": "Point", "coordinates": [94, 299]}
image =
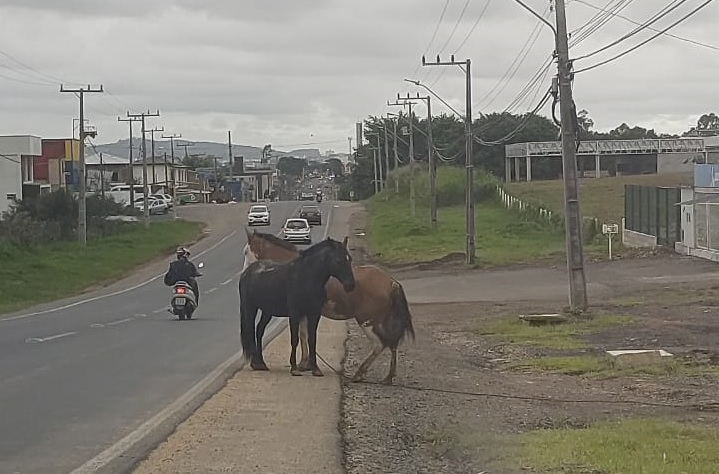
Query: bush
{"type": "Point", "coordinates": [54, 217]}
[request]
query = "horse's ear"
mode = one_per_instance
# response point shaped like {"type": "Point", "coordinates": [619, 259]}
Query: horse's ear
{"type": "Point", "coordinates": [344, 242]}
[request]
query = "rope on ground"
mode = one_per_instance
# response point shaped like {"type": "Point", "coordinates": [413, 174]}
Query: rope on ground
{"type": "Point", "coordinates": [710, 405]}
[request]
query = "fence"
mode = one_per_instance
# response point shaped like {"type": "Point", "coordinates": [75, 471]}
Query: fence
{"type": "Point", "coordinates": [590, 227]}
{"type": "Point", "coordinates": [653, 211]}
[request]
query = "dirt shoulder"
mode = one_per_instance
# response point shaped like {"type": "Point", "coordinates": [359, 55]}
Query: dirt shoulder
{"type": "Point", "coordinates": [462, 396]}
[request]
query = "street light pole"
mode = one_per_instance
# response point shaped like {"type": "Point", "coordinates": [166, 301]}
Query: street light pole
{"type": "Point", "coordinates": [173, 170]}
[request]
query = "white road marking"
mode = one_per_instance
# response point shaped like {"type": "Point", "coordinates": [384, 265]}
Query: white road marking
{"type": "Point", "coordinates": [228, 281]}
{"type": "Point", "coordinates": [97, 325]}
{"type": "Point", "coordinates": [120, 321]}
{"type": "Point", "coordinates": [140, 315]}
{"type": "Point", "coordinates": [160, 310]}
{"type": "Point", "coordinates": [211, 290]}
{"type": "Point", "coordinates": [48, 338]}
{"type": "Point", "coordinates": [115, 293]}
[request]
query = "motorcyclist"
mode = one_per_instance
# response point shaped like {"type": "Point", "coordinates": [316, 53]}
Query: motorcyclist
{"type": "Point", "coordinates": [183, 269]}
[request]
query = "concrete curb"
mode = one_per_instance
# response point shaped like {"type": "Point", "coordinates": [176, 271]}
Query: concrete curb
{"type": "Point", "coordinates": [123, 456]}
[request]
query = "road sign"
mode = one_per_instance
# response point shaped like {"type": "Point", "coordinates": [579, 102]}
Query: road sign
{"type": "Point", "coordinates": [610, 229]}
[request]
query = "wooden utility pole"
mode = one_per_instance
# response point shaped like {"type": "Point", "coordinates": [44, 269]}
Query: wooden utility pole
{"type": "Point", "coordinates": [173, 171]}
{"type": "Point", "coordinates": [573, 219]}
{"type": "Point", "coordinates": [145, 187]}
{"type": "Point", "coordinates": [82, 203]}
{"type": "Point", "coordinates": [152, 132]}
{"type": "Point", "coordinates": [412, 197]}
{"type": "Point", "coordinates": [469, 165]}
{"type": "Point", "coordinates": [131, 167]}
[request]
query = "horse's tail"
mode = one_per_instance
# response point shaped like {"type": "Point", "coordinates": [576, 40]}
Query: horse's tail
{"type": "Point", "coordinates": [247, 326]}
{"type": "Point", "coordinates": [400, 316]}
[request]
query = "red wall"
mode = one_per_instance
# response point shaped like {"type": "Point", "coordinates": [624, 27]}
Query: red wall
{"type": "Point", "coordinates": [50, 149]}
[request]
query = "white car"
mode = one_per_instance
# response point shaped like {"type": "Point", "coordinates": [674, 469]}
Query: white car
{"type": "Point", "coordinates": [155, 206]}
{"type": "Point", "coordinates": [297, 230]}
{"type": "Point", "coordinates": [166, 198]}
{"type": "Point", "coordinates": [258, 214]}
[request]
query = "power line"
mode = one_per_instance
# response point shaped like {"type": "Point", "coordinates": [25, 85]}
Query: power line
{"type": "Point", "coordinates": [673, 5]}
{"type": "Point", "coordinates": [624, 53]}
{"type": "Point", "coordinates": [434, 34]}
{"type": "Point", "coordinates": [471, 31]}
{"type": "Point", "coordinates": [456, 25]}
{"type": "Point", "coordinates": [681, 38]}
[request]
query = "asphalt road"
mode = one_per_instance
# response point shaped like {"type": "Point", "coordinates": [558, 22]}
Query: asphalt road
{"type": "Point", "coordinates": [74, 381]}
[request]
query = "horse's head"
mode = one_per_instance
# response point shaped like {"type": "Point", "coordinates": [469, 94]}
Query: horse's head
{"type": "Point", "coordinates": [271, 247]}
{"type": "Point", "coordinates": [339, 262]}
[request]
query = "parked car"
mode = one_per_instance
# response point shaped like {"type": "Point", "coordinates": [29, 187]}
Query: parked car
{"type": "Point", "coordinates": [258, 214]}
{"type": "Point", "coordinates": [155, 206]}
{"type": "Point", "coordinates": [312, 214]}
{"type": "Point", "coordinates": [297, 230]}
{"type": "Point", "coordinates": [166, 198]}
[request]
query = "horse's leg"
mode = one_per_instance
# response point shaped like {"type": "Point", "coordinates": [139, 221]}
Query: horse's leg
{"type": "Point", "coordinates": [376, 351]}
{"type": "Point", "coordinates": [304, 362]}
{"type": "Point", "coordinates": [258, 363]}
{"type": "Point", "coordinates": [392, 368]}
{"type": "Point", "coordinates": [312, 322]}
{"type": "Point", "coordinates": [294, 339]}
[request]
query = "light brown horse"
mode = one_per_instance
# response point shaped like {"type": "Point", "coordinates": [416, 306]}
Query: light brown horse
{"type": "Point", "coordinates": [378, 303]}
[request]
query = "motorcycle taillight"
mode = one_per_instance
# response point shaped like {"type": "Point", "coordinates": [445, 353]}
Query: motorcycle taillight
{"type": "Point", "coordinates": [180, 290]}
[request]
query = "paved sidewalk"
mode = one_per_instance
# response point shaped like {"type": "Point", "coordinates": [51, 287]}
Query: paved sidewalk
{"type": "Point", "coordinates": [264, 422]}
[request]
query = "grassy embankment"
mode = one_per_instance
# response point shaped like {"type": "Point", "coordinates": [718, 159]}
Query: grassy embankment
{"type": "Point", "coordinates": [30, 276]}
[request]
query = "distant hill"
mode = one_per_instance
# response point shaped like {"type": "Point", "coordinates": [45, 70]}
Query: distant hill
{"type": "Point", "coordinates": [121, 148]}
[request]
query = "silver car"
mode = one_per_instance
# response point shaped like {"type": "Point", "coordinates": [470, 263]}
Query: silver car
{"type": "Point", "coordinates": [297, 230]}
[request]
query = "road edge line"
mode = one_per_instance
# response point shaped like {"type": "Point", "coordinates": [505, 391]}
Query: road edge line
{"type": "Point", "coordinates": [124, 455]}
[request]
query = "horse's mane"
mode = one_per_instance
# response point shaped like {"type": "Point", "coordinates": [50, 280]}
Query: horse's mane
{"type": "Point", "coordinates": [319, 247]}
{"type": "Point", "coordinates": [273, 239]}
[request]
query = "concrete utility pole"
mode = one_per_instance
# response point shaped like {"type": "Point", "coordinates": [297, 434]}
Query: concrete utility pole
{"type": "Point", "coordinates": [469, 166]}
{"type": "Point", "coordinates": [573, 219]}
{"type": "Point", "coordinates": [145, 187]}
{"type": "Point", "coordinates": [386, 157]}
{"type": "Point", "coordinates": [82, 207]}
{"type": "Point", "coordinates": [412, 197]}
{"type": "Point", "coordinates": [173, 171]}
{"type": "Point", "coordinates": [432, 163]}
{"type": "Point", "coordinates": [185, 145]}
{"type": "Point", "coordinates": [229, 151]}
{"type": "Point", "coordinates": [375, 158]}
{"type": "Point", "coordinates": [131, 166]}
{"type": "Point", "coordinates": [152, 131]}
{"type": "Point", "coordinates": [396, 153]}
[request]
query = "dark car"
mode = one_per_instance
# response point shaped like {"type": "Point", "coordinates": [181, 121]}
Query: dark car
{"type": "Point", "coordinates": [312, 214]}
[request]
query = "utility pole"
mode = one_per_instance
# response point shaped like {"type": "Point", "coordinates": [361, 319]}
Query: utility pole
{"type": "Point", "coordinates": [152, 152]}
{"type": "Point", "coordinates": [173, 171]}
{"type": "Point", "coordinates": [82, 207]}
{"type": "Point", "coordinates": [374, 159]}
{"type": "Point", "coordinates": [469, 166]}
{"type": "Point", "coordinates": [386, 156]}
{"type": "Point", "coordinates": [432, 163]}
{"type": "Point", "coordinates": [396, 153]}
{"type": "Point", "coordinates": [131, 169]}
{"type": "Point", "coordinates": [229, 151]}
{"type": "Point", "coordinates": [145, 187]}
{"type": "Point", "coordinates": [185, 145]}
{"type": "Point", "coordinates": [412, 197]}
{"type": "Point", "coordinates": [102, 177]}
{"type": "Point", "coordinates": [573, 219]}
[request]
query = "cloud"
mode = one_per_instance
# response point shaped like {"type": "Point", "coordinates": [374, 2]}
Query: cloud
{"type": "Point", "coordinates": [280, 71]}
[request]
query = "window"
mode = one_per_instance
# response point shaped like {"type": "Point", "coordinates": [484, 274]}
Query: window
{"type": "Point", "coordinates": [11, 197]}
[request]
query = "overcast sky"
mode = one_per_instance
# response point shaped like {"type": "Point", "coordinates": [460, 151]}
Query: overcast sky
{"type": "Point", "coordinates": [302, 72]}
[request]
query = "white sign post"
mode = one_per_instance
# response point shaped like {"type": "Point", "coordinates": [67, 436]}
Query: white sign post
{"type": "Point", "coordinates": [609, 231]}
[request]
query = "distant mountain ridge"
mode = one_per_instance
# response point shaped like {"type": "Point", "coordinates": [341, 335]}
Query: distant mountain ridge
{"type": "Point", "coordinates": [121, 148]}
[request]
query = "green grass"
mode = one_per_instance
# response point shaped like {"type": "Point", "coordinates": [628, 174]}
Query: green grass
{"type": "Point", "coordinates": [501, 237]}
{"type": "Point", "coordinates": [636, 446]}
{"type": "Point", "coordinates": [563, 336]}
{"type": "Point", "coordinates": [601, 198]}
{"type": "Point", "coordinates": [601, 367]}
{"type": "Point", "coordinates": [53, 271]}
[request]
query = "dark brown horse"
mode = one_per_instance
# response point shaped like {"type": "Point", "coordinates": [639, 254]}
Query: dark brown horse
{"type": "Point", "coordinates": [378, 302]}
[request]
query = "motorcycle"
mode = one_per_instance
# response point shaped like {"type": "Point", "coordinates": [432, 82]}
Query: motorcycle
{"type": "Point", "coordinates": [184, 300]}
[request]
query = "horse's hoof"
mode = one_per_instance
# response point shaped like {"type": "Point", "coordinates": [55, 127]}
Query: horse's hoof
{"type": "Point", "coordinates": [387, 381]}
{"type": "Point", "coordinates": [357, 377]}
{"type": "Point", "coordinates": [317, 372]}
{"type": "Point", "coordinates": [258, 366]}
{"type": "Point", "coordinates": [295, 372]}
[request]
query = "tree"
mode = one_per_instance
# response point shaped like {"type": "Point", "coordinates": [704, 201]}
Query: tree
{"type": "Point", "coordinates": [335, 166]}
{"type": "Point", "coordinates": [291, 165]}
{"type": "Point", "coordinates": [707, 125]}
{"type": "Point", "coordinates": [198, 161]}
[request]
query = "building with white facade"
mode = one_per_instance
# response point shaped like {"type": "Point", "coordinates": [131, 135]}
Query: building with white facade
{"type": "Point", "coordinates": [17, 153]}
